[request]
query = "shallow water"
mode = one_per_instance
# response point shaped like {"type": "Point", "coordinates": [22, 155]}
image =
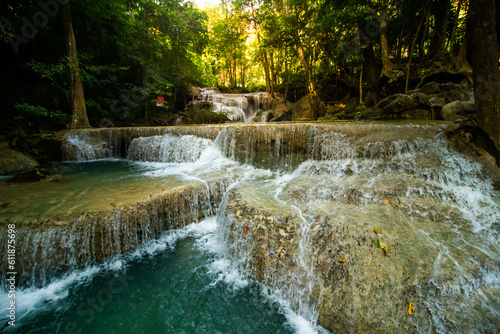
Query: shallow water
{"type": "Point", "coordinates": [80, 187]}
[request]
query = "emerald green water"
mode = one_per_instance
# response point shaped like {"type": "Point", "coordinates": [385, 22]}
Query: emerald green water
{"type": "Point", "coordinates": [169, 286]}
{"type": "Point", "coordinates": [81, 187]}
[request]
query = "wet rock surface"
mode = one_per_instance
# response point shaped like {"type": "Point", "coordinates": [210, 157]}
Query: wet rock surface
{"type": "Point", "coordinates": [351, 222]}
{"type": "Point", "coordinates": [357, 286]}
{"type": "Point", "coordinates": [58, 244]}
{"type": "Point", "coordinates": [308, 108]}
{"type": "Point", "coordinates": [432, 98]}
{"type": "Point", "coordinates": [13, 161]}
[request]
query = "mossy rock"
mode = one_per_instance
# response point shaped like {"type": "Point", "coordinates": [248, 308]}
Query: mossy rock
{"type": "Point", "coordinates": [12, 161]}
{"type": "Point", "coordinates": [205, 116]}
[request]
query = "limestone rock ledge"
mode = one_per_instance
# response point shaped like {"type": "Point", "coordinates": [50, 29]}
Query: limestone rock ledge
{"type": "Point", "coordinates": [353, 285]}
{"type": "Point", "coordinates": [46, 248]}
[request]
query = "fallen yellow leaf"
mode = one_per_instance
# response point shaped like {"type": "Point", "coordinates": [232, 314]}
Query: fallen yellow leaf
{"type": "Point", "coordinates": [384, 247]}
{"type": "Point", "coordinates": [411, 308]}
{"type": "Point", "coordinates": [386, 201]}
{"type": "Point", "coordinates": [376, 230]}
{"type": "Point", "coordinates": [342, 259]}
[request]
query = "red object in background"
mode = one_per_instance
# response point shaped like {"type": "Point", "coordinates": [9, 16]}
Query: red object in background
{"type": "Point", "coordinates": [160, 100]}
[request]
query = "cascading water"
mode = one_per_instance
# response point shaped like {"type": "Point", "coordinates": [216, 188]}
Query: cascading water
{"type": "Point", "coordinates": [168, 148]}
{"type": "Point", "coordinates": [300, 208]}
{"type": "Point", "coordinates": [238, 107]}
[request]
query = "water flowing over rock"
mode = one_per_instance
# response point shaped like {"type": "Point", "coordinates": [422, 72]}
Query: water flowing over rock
{"type": "Point", "coordinates": [167, 148]}
{"type": "Point", "coordinates": [237, 107]}
{"type": "Point", "coordinates": [349, 223]}
{"type": "Point", "coordinates": [61, 243]}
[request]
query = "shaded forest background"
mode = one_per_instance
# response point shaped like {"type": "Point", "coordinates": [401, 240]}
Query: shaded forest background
{"type": "Point", "coordinates": [130, 52]}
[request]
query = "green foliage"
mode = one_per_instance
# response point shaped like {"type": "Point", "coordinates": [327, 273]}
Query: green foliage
{"type": "Point", "coordinates": [30, 117]}
{"type": "Point", "coordinates": [131, 52]}
{"type": "Point", "coordinates": [27, 111]}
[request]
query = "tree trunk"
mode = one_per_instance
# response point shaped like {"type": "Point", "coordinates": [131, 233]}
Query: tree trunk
{"type": "Point", "coordinates": [79, 118]}
{"type": "Point", "coordinates": [229, 65]}
{"type": "Point", "coordinates": [424, 31]}
{"type": "Point", "coordinates": [410, 55]}
{"type": "Point", "coordinates": [370, 65]}
{"type": "Point", "coordinates": [273, 73]}
{"type": "Point", "coordinates": [387, 65]}
{"type": "Point", "coordinates": [145, 84]}
{"type": "Point", "coordinates": [243, 65]}
{"type": "Point", "coordinates": [304, 60]}
{"type": "Point", "coordinates": [361, 86]}
{"type": "Point", "coordinates": [399, 47]}
{"type": "Point", "coordinates": [235, 72]}
{"type": "Point", "coordinates": [437, 47]}
{"type": "Point", "coordinates": [287, 72]}
{"type": "Point", "coordinates": [451, 41]}
{"type": "Point", "coordinates": [265, 63]}
{"type": "Point", "coordinates": [481, 26]}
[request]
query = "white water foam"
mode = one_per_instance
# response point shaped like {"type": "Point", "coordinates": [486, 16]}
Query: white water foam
{"type": "Point", "coordinates": [168, 148]}
{"type": "Point", "coordinates": [223, 270]}
{"type": "Point", "coordinates": [34, 300]}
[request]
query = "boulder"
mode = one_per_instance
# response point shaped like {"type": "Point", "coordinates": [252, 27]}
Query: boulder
{"type": "Point", "coordinates": [195, 92]}
{"type": "Point", "coordinates": [13, 161]}
{"type": "Point", "coordinates": [388, 100]}
{"type": "Point", "coordinates": [198, 105]}
{"type": "Point", "coordinates": [431, 88]}
{"type": "Point", "coordinates": [308, 108]}
{"type": "Point", "coordinates": [420, 98]}
{"type": "Point", "coordinates": [204, 116]}
{"type": "Point", "coordinates": [456, 93]}
{"type": "Point", "coordinates": [279, 108]}
{"type": "Point", "coordinates": [457, 109]}
{"type": "Point", "coordinates": [436, 102]}
{"type": "Point", "coordinates": [400, 103]}
{"type": "Point", "coordinates": [268, 116]}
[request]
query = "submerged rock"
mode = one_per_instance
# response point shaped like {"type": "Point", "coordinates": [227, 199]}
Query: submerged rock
{"type": "Point", "coordinates": [32, 175]}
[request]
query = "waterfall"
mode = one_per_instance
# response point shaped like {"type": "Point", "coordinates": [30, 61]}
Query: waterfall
{"type": "Point", "coordinates": [237, 107]}
{"type": "Point", "coordinates": [52, 248]}
{"type": "Point", "coordinates": [304, 208]}
{"type": "Point", "coordinates": [167, 148]}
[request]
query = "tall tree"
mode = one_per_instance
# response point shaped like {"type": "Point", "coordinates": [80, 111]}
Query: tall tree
{"type": "Point", "coordinates": [437, 47]}
{"type": "Point", "coordinates": [484, 56]}
{"type": "Point", "coordinates": [387, 65]}
{"type": "Point", "coordinates": [79, 118]}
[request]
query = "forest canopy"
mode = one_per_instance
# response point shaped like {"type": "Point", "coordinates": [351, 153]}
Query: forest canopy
{"type": "Point", "coordinates": [130, 52]}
